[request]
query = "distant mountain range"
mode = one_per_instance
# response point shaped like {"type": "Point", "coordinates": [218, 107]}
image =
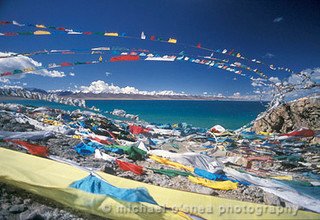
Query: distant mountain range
{"type": "Point", "coordinates": [121, 96]}
{"type": "Point", "coordinates": [124, 96]}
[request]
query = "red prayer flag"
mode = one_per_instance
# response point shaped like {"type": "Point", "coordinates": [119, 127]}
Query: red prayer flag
{"type": "Point", "coordinates": [135, 129]}
{"type": "Point", "coordinates": [10, 34]}
{"type": "Point", "coordinates": [130, 167]}
{"type": "Point", "coordinates": [66, 64]}
{"type": "Point", "coordinates": [61, 28]}
{"type": "Point", "coordinates": [6, 74]}
{"type": "Point", "coordinates": [32, 148]}
{"type": "Point", "coordinates": [230, 52]}
{"type": "Point", "coordinates": [125, 58]}
{"type": "Point", "coordinates": [68, 52]}
{"type": "Point", "coordinates": [259, 158]}
{"type": "Point", "coordinates": [100, 140]}
{"type": "Point", "coordinates": [112, 135]}
{"type": "Point", "coordinates": [301, 133]}
{"type": "Point", "coordinates": [5, 22]}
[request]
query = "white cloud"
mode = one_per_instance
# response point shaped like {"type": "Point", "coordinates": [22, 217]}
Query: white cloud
{"type": "Point", "coordinates": [21, 62]}
{"type": "Point", "coordinates": [108, 73]}
{"type": "Point", "coordinates": [302, 84]}
{"type": "Point", "coordinates": [295, 79]}
{"type": "Point", "coordinates": [237, 94]}
{"type": "Point", "coordinates": [268, 55]}
{"type": "Point", "coordinates": [72, 74]}
{"type": "Point", "coordinates": [12, 87]}
{"type": "Point", "coordinates": [51, 73]}
{"type": "Point", "coordinates": [166, 92]}
{"type": "Point", "coordinates": [304, 79]}
{"type": "Point", "coordinates": [278, 19]}
{"type": "Point", "coordinates": [4, 80]}
{"type": "Point", "coordinates": [296, 85]}
{"type": "Point", "coordinates": [257, 82]}
{"type": "Point", "coordinates": [100, 86]}
{"type": "Point", "coordinates": [314, 74]}
{"type": "Point", "coordinates": [274, 79]}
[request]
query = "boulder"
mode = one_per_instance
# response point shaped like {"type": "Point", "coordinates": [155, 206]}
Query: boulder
{"type": "Point", "coordinates": [290, 116]}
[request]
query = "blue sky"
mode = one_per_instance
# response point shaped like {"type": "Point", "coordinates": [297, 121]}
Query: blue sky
{"type": "Point", "coordinates": [286, 30]}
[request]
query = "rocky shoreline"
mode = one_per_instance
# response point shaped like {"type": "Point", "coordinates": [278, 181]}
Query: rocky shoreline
{"type": "Point", "coordinates": [18, 204]}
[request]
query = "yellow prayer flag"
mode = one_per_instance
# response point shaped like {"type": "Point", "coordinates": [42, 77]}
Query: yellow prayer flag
{"type": "Point", "coordinates": [288, 177]}
{"type": "Point", "coordinates": [29, 69]}
{"type": "Point", "coordinates": [76, 136]}
{"type": "Point", "coordinates": [171, 163]}
{"type": "Point", "coordinates": [41, 33]}
{"type": "Point", "coordinates": [172, 40]}
{"type": "Point", "coordinates": [40, 26]}
{"type": "Point", "coordinates": [221, 185]}
{"type": "Point", "coordinates": [111, 34]}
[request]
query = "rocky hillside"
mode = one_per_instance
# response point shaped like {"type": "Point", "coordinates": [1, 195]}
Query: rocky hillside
{"type": "Point", "coordinates": [303, 112]}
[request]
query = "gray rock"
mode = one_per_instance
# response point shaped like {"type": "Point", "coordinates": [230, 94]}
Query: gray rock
{"type": "Point", "coordinates": [27, 201]}
{"type": "Point", "coordinates": [4, 214]}
{"type": "Point", "coordinates": [285, 203]}
{"type": "Point", "coordinates": [255, 193]}
{"type": "Point", "coordinates": [290, 116]}
{"type": "Point", "coordinates": [5, 195]}
{"type": "Point", "coordinates": [18, 200]}
{"type": "Point", "coordinates": [5, 206]}
{"type": "Point", "coordinates": [109, 168]}
{"type": "Point", "coordinates": [30, 215]}
{"type": "Point", "coordinates": [271, 199]}
{"type": "Point", "coordinates": [17, 209]}
{"type": "Point", "coordinates": [201, 189]}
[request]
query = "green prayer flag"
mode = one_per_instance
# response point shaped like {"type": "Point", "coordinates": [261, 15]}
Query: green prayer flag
{"type": "Point", "coordinates": [171, 173]}
{"type": "Point", "coordinates": [133, 153]}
